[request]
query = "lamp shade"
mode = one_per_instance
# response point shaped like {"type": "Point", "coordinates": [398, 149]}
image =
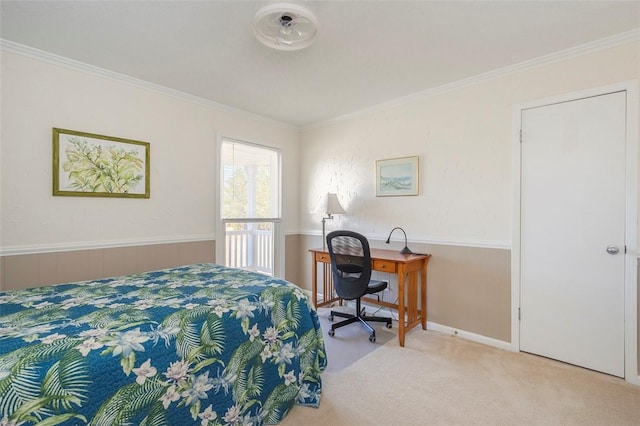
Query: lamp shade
{"type": "Point", "coordinates": [329, 204]}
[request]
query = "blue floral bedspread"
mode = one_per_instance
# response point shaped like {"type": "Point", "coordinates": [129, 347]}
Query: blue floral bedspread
{"type": "Point", "coordinates": [199, 344]}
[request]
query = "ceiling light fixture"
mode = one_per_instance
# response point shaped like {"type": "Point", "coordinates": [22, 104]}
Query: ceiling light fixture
{"type": "Point", "coordinates": [285, 26]}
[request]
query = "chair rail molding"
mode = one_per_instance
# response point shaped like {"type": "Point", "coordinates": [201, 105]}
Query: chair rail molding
{"type": "Point", "coordinates": [91, 245]}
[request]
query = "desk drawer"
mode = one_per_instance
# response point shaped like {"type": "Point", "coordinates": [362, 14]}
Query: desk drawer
{"type": "Point", "coordinates": [384, 265]}
{"type": "Point", "coordinates": [323, 257]}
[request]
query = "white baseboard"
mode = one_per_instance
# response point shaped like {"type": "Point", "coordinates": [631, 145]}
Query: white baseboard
{"type": "Point", "coordinates": [478, 338]}
{"type": "Point", "coordinates": [500, 344]}
{"type": "Point", "coordinates": [634, 380]}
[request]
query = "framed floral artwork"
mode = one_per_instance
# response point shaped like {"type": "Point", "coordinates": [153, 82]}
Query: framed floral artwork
{"type": "Point", "coordinates": [91, 165]}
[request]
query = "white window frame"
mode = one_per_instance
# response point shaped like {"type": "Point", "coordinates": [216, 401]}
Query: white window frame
{"type": "Point", "coordinates": [220, 232]}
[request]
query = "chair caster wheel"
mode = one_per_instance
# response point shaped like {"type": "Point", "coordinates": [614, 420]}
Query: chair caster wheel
{"type": "Point", "coordinates": [372, 338]}
{"type": "Point", "coordinates": [388, 325]}
{"type": "Point", "coordinates": [331, 333]}
{"type": "Point", "coordinates": [331, 318]}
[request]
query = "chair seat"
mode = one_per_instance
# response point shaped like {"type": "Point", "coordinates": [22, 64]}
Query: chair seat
{"type": "Point", "coordinates": [376, 286]}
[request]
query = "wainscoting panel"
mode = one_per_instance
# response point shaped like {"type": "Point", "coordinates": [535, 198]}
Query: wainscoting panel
{"type": "Point", "coordinates": [469, 288]}
{"type": "Point", "coordinates": [292, 259]}
{"type": "Point", "coordinates": [33, 270]}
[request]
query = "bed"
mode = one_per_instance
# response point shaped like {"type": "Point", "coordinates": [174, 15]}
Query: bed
{"type": "Point", "coordinates": [198, 344]}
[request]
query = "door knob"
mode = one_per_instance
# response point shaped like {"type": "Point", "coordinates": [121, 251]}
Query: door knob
{"type": "Point", "coordinates": [613, 249]}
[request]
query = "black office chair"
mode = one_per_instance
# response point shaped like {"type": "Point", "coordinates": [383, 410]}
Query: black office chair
{"type": "Point", "coordinates": [351, 268]}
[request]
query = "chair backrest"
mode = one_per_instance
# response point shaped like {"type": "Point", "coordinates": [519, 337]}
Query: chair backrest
{"type": "Point", "coordinates": [350, 263]}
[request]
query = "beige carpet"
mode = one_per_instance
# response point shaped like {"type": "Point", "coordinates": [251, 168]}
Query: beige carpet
{"type": "Point", "coordinates": [351, 342]}
{"type": "Point", "coordinates": [444, 380]}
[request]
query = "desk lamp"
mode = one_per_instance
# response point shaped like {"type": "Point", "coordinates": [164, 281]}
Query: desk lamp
{"type": "Point", "coordinates": [328, 206]}
{"type": "Point", "coordinates": [405, 250]}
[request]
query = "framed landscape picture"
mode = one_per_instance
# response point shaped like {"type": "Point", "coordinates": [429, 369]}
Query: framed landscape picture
{"type": "Point", "coordinates": [90, 165]}
{"type": "Point", "coordinates": [397, 177]}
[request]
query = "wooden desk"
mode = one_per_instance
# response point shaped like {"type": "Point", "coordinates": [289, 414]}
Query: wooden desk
{"type": "Point", "coordinates": [406, 266]}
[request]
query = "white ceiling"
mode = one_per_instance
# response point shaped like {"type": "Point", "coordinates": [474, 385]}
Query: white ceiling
{"type": "Point", "coordinates": [366, 53]}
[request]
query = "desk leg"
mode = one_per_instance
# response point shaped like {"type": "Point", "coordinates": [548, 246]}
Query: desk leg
{"type": "Point", "coordinates": [314, 281]}
{"type": "Point", "coordinates": [401, 323]}
{"type": "Point", "coordinates": [327, 282]}
{"type": "Point", "coordinates": [423, 294]}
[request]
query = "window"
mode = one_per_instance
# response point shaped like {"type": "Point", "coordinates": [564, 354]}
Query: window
{"type": "Point", "coordinates": [250, 205]}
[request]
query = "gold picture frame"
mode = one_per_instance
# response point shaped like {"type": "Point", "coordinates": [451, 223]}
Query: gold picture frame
{"type": "Point", "coordinates": [397, 177]}
{"type": "Point", "coordinates": [91, 165]}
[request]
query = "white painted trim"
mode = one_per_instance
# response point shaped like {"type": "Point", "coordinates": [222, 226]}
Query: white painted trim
{"type": "Point", "coordinates": [219, 225]}
{"type": "Point", "coordinates": [515, 247]}
{"type": "Point", "coordinates": [583, 49]}
{"type": "Point", "coordinates": [478, 338]}
{"type": "Point", "coordinates": [500, 245]}
{"type": "Point", "coordinates": [631, 228]}
{"type": "Point", "coordinates": [632, 375]}
{"type": "Point", "coordinates": [278, 234]}
{"type": "Point", "coordinates": [51, 58]}
{"type": "Point", "coordinates": [93, 245]}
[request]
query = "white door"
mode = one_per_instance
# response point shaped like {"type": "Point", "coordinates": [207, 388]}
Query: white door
{"type": "Point", "coordinates": [572, 223]}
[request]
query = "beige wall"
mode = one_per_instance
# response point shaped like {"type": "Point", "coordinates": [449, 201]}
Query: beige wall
{"type": "Point", "coordinates": [463, 215]}
{"type": "Point", "coordinates": [292, 270]}
{"type": "Point", "coordinates": [464, 137]}
{"type": "Point", "coordinates": [38, 269]}
{"type": "Point", "coordinates": [33, 270]}
{"type": "Point", "coordinates": [39, 94]}
{"type": "Point", "coordinates": [468, 289]}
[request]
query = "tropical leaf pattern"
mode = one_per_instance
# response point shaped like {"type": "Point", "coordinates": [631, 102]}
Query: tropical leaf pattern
{"type": "Point", "coordinates": [198, 344]}
{"type": "Point", "coordinates": [98, 168]}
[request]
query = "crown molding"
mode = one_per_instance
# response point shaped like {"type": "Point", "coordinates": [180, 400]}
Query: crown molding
{"type": "Point", "coordinates": [54, 59]}
{"type": "Point", "coordinates": [583, 49]}
{"type": "Point", "coordinates": [562, 55]}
